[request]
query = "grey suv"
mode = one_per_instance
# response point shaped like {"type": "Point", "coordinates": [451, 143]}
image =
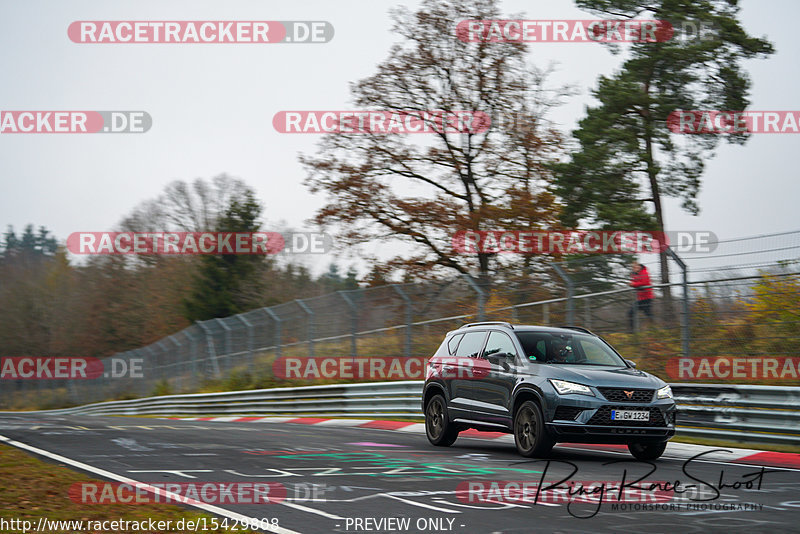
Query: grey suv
{"type": "Point", "coordinates": [544, 385]}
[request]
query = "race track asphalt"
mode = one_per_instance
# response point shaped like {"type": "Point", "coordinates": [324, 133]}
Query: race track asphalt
{"type": "Point", "coordinates": [341, 479]}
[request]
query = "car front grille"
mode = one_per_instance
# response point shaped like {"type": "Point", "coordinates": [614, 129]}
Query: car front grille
{"type": "Point", "coordinates": [621, 394]}
{"type": "Point", "coordinates": [603, 417]}
{"type": "Point", "coordinates": [567, 413]}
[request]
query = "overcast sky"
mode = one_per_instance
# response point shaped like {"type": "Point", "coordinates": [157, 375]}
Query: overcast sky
{"type": "Point", "coordinates": [212, 109]}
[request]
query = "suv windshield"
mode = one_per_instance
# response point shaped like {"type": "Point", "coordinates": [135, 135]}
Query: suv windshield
{"type": "Point", "coordinates": [560, 348]}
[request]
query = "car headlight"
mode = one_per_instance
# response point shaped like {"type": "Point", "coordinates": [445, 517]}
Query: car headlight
{"type": "Point", "coordinates": [565, 388]}
{"type": "Point", "coordinates": [665, 393]}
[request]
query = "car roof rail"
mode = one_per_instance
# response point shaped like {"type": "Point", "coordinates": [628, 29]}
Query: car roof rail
{"type": "Point", "coordinates": [578, 328]}
{"type": "Point", "coordinates": [485, 323]}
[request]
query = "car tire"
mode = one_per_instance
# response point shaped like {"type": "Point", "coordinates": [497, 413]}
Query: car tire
{"type": "Point", "coordinates": [440, 431]}
{"type": "Point", "coordinates": [530, 435]}
{"type": "Point", "coordinates": [647, 451]}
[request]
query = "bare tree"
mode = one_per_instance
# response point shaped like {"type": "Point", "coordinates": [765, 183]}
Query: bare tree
{"type": "Point", "coordinates": [422, 189]}
{"type": "Point", "coordinates": [187, 207]}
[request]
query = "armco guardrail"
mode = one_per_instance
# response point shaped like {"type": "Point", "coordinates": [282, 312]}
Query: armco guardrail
{"type": "Point", "coordinates": [374, 399]}
{"type": "Point", "coordinates": [750, 414]}
{"type": "Point", "coordinates": [767, 414]}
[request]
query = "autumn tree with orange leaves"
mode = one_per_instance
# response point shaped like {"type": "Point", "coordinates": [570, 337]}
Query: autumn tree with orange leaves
{"type": "Point", "coordinates": [420, 189]}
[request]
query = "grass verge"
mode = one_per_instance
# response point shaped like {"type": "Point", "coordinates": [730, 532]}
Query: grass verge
{"type": "Point", "coordinates": [34, 489]}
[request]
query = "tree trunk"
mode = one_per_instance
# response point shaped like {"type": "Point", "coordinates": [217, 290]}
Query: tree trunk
{"type": "Point", "coordinates": [656, 195]}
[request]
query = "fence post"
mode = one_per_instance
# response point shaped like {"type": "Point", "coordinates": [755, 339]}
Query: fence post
{"type": "Point", "coordinates": [570, 293]}
{"type": "Point", "coordinates": [163, 359]}
{"type": "Point", "coordinates": [212, 354]}
{"type": "Point", "coordinates": [310, 327]}
{"type": "Point", "coordinates": [250, 363]}
{"type": "Point", "coordinates": [353, 323]}
{"type": "Point", "coordinates": [587, 313]}
{"type": "Point", "coordinates": [409, 312]}
{"type": "Point", "coordinates": [152, 367]}
{"type": "Point", "coordinates": [194, 356]}
{"type": "Point", "coordinates": [141, 383]}
{"type": "Point", "coordinates": [227, 362]}
{"type": "Point", "coordinates": [73, 391]}
{"type": "Point", "coordinates": [152, 361]}
{"type": "Point", "coordinates": [685, 334]}
{"type": "Point", "coordinates": [277, 334]}
{"type": "Point", "coordinates": [178, 373]}
{"type": "Point", "coordinates": [481, 296]}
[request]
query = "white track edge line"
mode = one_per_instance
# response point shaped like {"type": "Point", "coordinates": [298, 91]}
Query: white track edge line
{"type": "Point", "coordinates": [152, 489]}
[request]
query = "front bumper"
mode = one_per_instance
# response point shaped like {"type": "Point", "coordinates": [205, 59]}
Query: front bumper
{"type": "Point", "coordinates": [589, 421]}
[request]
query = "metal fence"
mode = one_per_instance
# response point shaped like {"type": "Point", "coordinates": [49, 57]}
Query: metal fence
{"type": "Point", "coordinates": [710, 308]}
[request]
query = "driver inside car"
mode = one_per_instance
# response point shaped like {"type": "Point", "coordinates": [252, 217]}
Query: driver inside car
{"type": "Point", "coordinates": [560, 350]}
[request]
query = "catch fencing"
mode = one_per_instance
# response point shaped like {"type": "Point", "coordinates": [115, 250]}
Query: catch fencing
{"type": "Point", "coordinates": [712, 307]}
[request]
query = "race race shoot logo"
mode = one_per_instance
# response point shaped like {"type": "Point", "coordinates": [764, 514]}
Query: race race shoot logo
{"type": "Point", "coordinates": [245, 243]}
{"type": "Point", "coordinates": [381, 122]}
{"type": "Point", "coordinates": [191, 493]}
{"type": "Point", "coordinates": [580, 242]}
{"type": "Point", "coordinates": [32, 122]}
{"type": "Point", "coordinates": [734, 122]}
{"type": "Point", "coordinates": [573, 491]}
{"type": "Point", "coordinates": [729, 367]}
{"type": "Point", "coordinates": [346, 367]}
{"type": "Point", "coordinates": [68, 368]}
{"type": "Point", "coordinates": [200, 31]}
{"type": "Point", "coordinates": [564, 31]}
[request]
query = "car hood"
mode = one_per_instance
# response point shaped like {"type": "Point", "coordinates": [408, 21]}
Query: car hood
{"type": "Point", "coordinates": [604, 376]}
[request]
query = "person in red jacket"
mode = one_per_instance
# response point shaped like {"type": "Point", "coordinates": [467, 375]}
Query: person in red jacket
{"type": "Point", "coordinates": [644, 293]}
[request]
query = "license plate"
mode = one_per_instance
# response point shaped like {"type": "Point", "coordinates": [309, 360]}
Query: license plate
{"type": "Point", "coordinates": [629, 415]}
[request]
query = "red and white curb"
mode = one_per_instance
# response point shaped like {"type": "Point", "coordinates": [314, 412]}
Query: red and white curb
{"type": "Point", "coordinates": [674, 449]}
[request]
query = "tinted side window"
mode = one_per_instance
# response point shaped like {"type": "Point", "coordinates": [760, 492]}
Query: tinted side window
{"type": "Point", "coordinates": [539, 350]}
{"type": "Point", "coordinates": [471, 344]}
{"type": "Point", "coordinates": [534, 345]}
{"type": "Point", "coordinates": [499, 342]}
{"type": "Point", "coordinates": [453, 343]}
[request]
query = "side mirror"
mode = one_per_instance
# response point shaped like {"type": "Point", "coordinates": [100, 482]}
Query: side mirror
{"type": "Point", "coordinates": [502, 359]}
{"type": "Point", "coordinates": [631, 363]}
